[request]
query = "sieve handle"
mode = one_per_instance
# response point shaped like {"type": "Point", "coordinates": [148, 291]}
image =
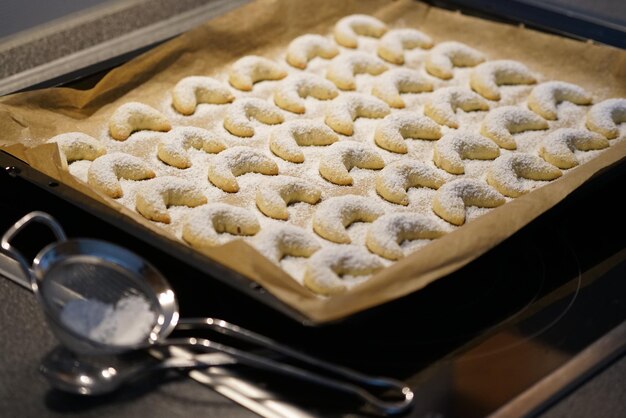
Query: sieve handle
{"type": "Point", "coordinates": [17, 227]}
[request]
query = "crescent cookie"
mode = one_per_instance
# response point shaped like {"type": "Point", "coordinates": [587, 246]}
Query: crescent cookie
{"type": "Point", "coordinates": [252, 68]}
{"type": "Point", "coordinates": [400, 80]}
{"type": "Point", "coordinates": [290, 93]}
{"type": "Point", "coordinates": [501, 123]}
{"type": "Point", "coordinates": [453, 147]}
{"type": "Point", "coordinates": [346, 108]}
{"type": "Point", "coordinates": [273, 196]}
{"type": "Point", "coordinates": [134, 116]}
{"type": "Point", "coordinates": [604, 117]}
{"type": "Point", "coordinates": [75, 146]}
{"type": "Point", "coordinates": [193, 90]}
{"type": "Point", "coordinates": [334, 215]}
{"type": "Point", "coordinates": [386, 233]}
{"type": "Point", "coordinates": [392, 45]}
{"type": "Point", "coordinates": [105, 171]}
{"type": "Point", "coordinates": [452, 198]}
{"type": "Point", "coordinates": [342, 69]}
{"type": "Point", "coordinates": [445, 56]}
{"type": "Point", "coordinates": [155, 196]}
{"type": "Point", "coordinates": [558, 147]}
{"type": "Point", "coordinates": [544, 98]}
{"type": "Point", "coordinates": [285, 140]}
{"type": "Point", "coordinates": [218, 223]}
{"type": "Point", "coordinates": [486, 78]}
{"type": "Point", "coordinates": [236, 161]}
{"type": "Point", "coordinates": [342, 156]}
{"type": "Point", "coordinates": [173, 146]}
{"type": "Point", "coordinates": [306, 47]}
{"type": "Point", "coordinates": [512, 174]}
{"type": "Point", "coordinates": [392, 131]}
{"type": "Point", "coordinates": [286, 240]}
{"type": "Point", "coordinates": [348, 28]}
{"type": "Point", "coordinates": [237, 120]}
{"type": "Point", "coordinates": [394, 180]}
{"type": "Point", "coordinates": [443, 104]}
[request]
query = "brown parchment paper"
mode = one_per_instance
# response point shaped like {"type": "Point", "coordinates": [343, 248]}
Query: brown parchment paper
{"type": "Point", "coordinates": [263, 27]}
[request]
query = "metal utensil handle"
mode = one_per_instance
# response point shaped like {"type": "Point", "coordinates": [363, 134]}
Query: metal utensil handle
{"type": "Point", "coordinates": [17, 227]}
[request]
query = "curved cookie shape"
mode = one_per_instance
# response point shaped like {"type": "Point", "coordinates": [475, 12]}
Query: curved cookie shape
{"type": "Point", "coordinates": [558, 147]}
{"type": "Point", "coordinates": [604, 117]}
{"type": "Point", "coordinates": [444, 103]}
{"type": "Point", "coordinates": [334, 215]}
{"type": "Point", "coordinates": [400, 80]}
{"type": "Point", "coordinates": [218, 223]}
{"type": "Point", "coordinates": [342, 69]}
{"type": "Point", "coordinates": [282, 240]}
{"type": "Point", "coordinates": [450, 150]}
{"type": "Point", "coordinates": [394, 180]}
{"type": "Point", "coordinates": [452, 198]}
{"type": "Point", "coordinates": [235, 161]}
{"type": "Point", "coordinates": [105, 171]}
{"type": "Point", "coordinates": [193, 90]}
{"type": "Point", "coordinates": [544, 98]}
{"type": "Point", "coordinates": [75, 146]}
{"type": "Point", "coordinates": [173, 146]}
{"type": "Point", "coordinates": [285, 140]}
{"type": "Point", "coordinates": [341, 157]}
{"type": "Point", "coordinates": [134, 116]}
{"type": "Point", "coordinates": [386, 234]}
{"type": "Point", "coordinates": [487, 77]}
{"type": "Point", "coordinates": [347, 107]}
{"type": "Point", "coordinates": [393, 44]}
{"type": "Point", "coordinates": [445, 56]}
{"type": "Point", "coordinates": [290, 93]}
{"type": "Point", "coordinates": [251, 69]}
{"type": "Point", "coordinates": [155, 196]}
{"type": "Point", "coordinates": [512, 174]}
{"type": "Point", "coordinates": [501, 123]}
{"type": "Point", "coordinates": [350, 27]}
{"type": "Point", "coordinates": [273, 196]}
{"type": "Point", "coordinates": [237, 120]}
{"type": "Point", "coordinates": [392, 131]}
{"type": "Point", "coordinates": [306, 47]}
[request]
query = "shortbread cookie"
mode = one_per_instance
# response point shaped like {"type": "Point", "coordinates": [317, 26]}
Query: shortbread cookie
{"type": "Point", "coordinates": [218, 223]}
{"type": "Point", "coordinates": [501, 123]}
{"type": "Point", "coordinates": [513, 174]}
{"type": "Point", "coordinates": [443, 104]}
{"type": "Point", "coordinates": [273, 196]}
{"type": "Point", "coordinates": [237, 120]}
{"type": "Point", "coordinates": [392, 45]}
{"type": "Point", "coordinates": [283, 240]}
{"type": "Point", "coordinates": [453, 147]}
{"type": "Point", "coordinates": [334, 215]}
{"type": "Point", "coordinates": [342, 156]}
{"type": "Point", "coordinates": [392, 131]}
{"type": "Point", "coordinates": [400, 80]}
{"type": "Point", "coordinates": [173, 146]}
{"type": "Point", "coordinates": [347, 107]}
{"type": "Point", "coordinates": [235, 161]}
{"type": "Point", "coordinates": [386, 233]}
{"type": "Point", "coordinates": [350, 27]}
{"type": "Point", "coordinates": [306, 47]}
{"type": "Point", "coordinates": [286, 139]}
{"type": "Point", "coordinates": [75, 146]}
{"type": "Point", "coordinates": [452, 198]}
{"type": "Point", "coordinates": [486, 78]}
{"type": "Point", "coordinates": [558, 147]}
{"type": "Point", "coordinates": [251, 69]}
{"type": "Point", "coordinates": [290, 93]}
{"type": "Point", "coordinates": [134, 116]}
{"type": "Point", "coordinates": [544, 98]}
{"type": "Point", "coordinates": [343, 68]}
{"type": "Point", "coordinates": [191, 91]}
{"type": "Point", "coordinates": [445, 56]}
{"type": "Point", "coordinates": [394, 180]}
{"type": "Point", "coordinates": [604, 117]}
{"type": "Point", "coordinates": [155, 196]}
{"type": "Point", "coordinates": [105, 171]}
